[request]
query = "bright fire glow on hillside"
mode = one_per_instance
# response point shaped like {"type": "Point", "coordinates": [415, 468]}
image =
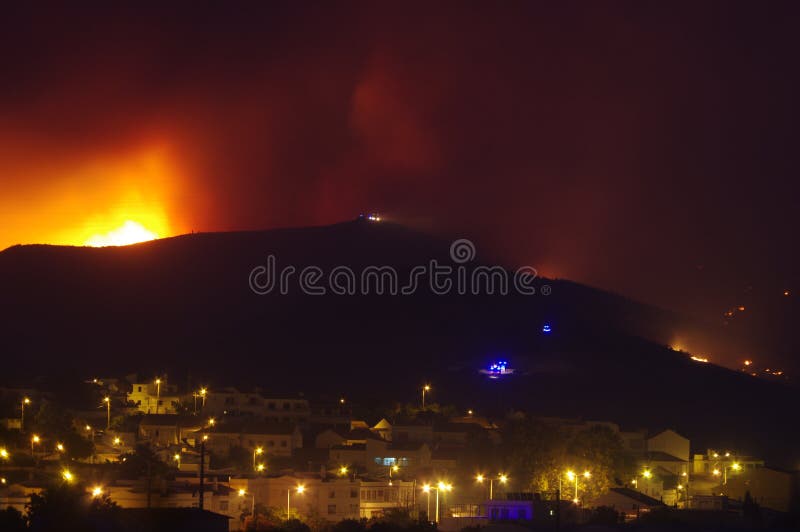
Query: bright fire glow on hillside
{"type": "Point", "coordinates": [130, 233]}
{"type": "Point", "coordinates": [111, 199]}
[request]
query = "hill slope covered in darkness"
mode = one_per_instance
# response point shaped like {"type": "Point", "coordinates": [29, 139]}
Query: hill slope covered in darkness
{"type": "Point", "coordinates": [184, 306]}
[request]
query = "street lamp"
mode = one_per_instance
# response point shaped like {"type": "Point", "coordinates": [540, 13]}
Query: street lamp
{"type": "Point", "coordinates": [202, 394]}
{"type": "Point", "coordinates": [256, 452]}
{"type": "Point", "coordinates": [300, 489]}
{"type": "Point", "coordinates": [117, 440]}
{"type": "Point", "coordinates": [427, 488]}
{"type": "Point", "coordinates": [25, 401]}
{"type": "Point", "coordinates": [4, 453]}
{"type": "Point", "coordinates": [60, 447]}
{"type": "Point", "coordinates": [572, 476]}
{"type": "Point", "coordinates": [97, 491]}
{"type": "Point", "coordinates": [394, 468]}
{"type": "Point", "coordinates": [177, 458]}
{"type": "Point", "coordinates": [343, 471]}
{"type": "Point", "coordinates": [425, 388]}
{"type": "Point", "coordinates": [67, 475]}
{"type": "Point", "coordinates": [158, 393]}
{"type": "Point", "coordinates": [107, 401]}
{"type": "Point", "coordinates": [242, 493]}
{"type": "Point", "coordinates": [735, 466]}
{"type": "Point", "coordinates": [34, 439]}
{"type": "Point", "coordinates": [502, 478]}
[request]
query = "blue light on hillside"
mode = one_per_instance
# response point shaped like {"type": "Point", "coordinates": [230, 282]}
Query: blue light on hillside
{"type": "Point", "coordinates": [497, 369]}
{"type": "Point", "coordinates": [546, 328]}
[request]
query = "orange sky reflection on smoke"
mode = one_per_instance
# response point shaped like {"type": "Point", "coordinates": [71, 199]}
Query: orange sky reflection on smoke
{"type": "Point", "coordinates": [88, 198]}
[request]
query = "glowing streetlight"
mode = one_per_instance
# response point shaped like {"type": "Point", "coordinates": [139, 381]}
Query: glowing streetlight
{"type": "Point", "coordinates": [425, 388]}
{"type": "Point", "coordinates": [573, 476]}
{"type": "Point", "coordinates": [4, 453]}
{"type": "Point", "coordinates": [201, 393]}
{"type": "Point", "coordinates": [242, 493]}
{"type": "Point", "coordinates": [177, 458]}
{"type": "Point", "coordinates": [67, 475]}
{"type": "Point", "coordinates": [260, 468]}
{"type": "Point", "coordinates": [97, 491]}
{"type": "Point", "coordinates": [117, 440]}
{"type": "Point", "coordinates": [343, 471]}
{"type": "Point", "coordinates": [257, 451]}
{"type": "Point", "coordinates": [25, 401]}
{"type": "Point", "coordinates": [158, 394]}
{"type": "Point", "coordinates": [60, 447]}
{"type": "Point", "coordinates": [427, 489]}
{"type": "Point", "coordinates": [211, 421]}
{"type": "Point", "coordinates": [107, 401]}
{"type": "Point", "coordinates": [502, 478]}
{"type": "Point", "coordinates": [394, 468]}
{"type": "Point", "coordinates": [299, 489]}
{"type": "Point", "coordinates": [735, 466]}
{"type": "Point", "coordinates": [34, 440]}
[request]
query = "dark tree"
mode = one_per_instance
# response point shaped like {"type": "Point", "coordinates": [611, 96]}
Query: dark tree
{"type": "Point", "coordinates": [11, 520]}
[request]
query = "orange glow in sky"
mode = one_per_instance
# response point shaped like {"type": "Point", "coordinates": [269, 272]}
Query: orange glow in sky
{"type": "Point", "coordinates": [119, 199]}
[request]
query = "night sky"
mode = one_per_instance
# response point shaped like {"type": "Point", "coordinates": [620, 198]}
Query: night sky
{"type": "Point", "coordinates": [648, 148]}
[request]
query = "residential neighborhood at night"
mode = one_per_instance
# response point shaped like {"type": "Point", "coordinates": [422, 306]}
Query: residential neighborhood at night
{"type": "Point", "coordinates": [251, 455]}
{"type": "Point", "coordinates": [399, 266]}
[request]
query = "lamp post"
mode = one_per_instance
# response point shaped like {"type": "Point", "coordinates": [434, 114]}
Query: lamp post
{"type": "Point", "coordinates": [299, 489]}
{"type": "Point", "coordinates": [201, 393]}
{"type": "Point", "coordinates": [427, 488]}
{"type": "Point", "coordinates": [242, 493]}
{"type": "Point", "coordinates": [647, 475]}
{"type": "Point", "coordinates": [107, 401]}
{"type": "Point", "coordinates": [177, 458]}
{"type": "Point", "coordinates": [425, 388]}
{"type": "Point", "coordinates": [735, 466]}
{"type": "Point", "coordinates": [34, 440]}
{"type": "Point", "coordinates": [394, 468]}
{"type": "Point", "coordinates": [158, 393]}
{"type": "Point", "coordinates": [256, 452]}
{"type": "Point", "coordinates": [25, 401]}
{"type": "Point", "coordinates": [572, 476]}
{"type": "Point", "coordinates": [502, 478]}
